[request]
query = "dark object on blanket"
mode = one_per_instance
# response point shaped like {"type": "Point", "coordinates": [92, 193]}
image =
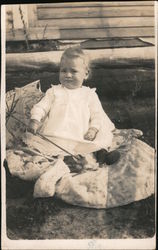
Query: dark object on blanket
{"type": "Point", "coordinates": [109, 158]}
{"type": "Point", "coordinates": [75, 166]}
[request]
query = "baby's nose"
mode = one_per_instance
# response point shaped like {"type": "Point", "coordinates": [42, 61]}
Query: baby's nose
{"type": "Point", "coordinates": [69, 74]}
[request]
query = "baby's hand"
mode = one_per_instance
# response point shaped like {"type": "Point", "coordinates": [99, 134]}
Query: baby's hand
{"type": "Point", "coordinates": [33, 126]}
{"type": "Point", "coordinates": [91, 134]}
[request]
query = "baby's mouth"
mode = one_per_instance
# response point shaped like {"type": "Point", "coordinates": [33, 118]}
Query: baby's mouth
{"type": "Point", "coordinates": [68, 79]}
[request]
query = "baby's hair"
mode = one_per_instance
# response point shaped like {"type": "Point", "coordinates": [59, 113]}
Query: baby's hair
{"type": "Point", "coordinates": [76, 52]}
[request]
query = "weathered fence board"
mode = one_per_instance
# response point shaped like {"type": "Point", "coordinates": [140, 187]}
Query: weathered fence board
{"type": "Point", "coordinates": [52, 13]}
{"type": "Point", "coordinates": [82, 20]}
{"type": "Point", "coordinates": [98, 22]}
{"type": "Point", "coordinates": [97, 4]}
{"type": "Point", "coordinates": [55, 33]}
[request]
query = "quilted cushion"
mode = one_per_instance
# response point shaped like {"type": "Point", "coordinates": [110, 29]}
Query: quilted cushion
{"type": "Point", "coordinates": [20, 101]}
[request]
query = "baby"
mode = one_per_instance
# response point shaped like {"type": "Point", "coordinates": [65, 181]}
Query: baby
{"type": "Point", "coordinates": [73, 112]}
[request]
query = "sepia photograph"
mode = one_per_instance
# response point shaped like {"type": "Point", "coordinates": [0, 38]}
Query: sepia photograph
{"type": "Point", "coordinates": [78, 125]}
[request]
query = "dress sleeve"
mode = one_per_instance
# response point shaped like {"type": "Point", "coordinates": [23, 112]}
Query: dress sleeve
{"type": "Point", "coordinates": [97, 114]}
{"type": "Point", "coordinates": [41, 109]}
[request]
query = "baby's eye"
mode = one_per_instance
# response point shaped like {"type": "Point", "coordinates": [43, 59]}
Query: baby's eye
{"type": "Point", "coordinates": [63, 70]}
{"type": "Point", "coordinates": [74, 71]}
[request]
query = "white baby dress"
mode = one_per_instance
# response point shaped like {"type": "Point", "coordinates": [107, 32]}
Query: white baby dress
{"type": "Point", "coordinates": [69, 114]}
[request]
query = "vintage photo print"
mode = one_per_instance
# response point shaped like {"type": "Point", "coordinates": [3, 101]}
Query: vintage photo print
{"type": "Point", "coordinates": [78, 125]}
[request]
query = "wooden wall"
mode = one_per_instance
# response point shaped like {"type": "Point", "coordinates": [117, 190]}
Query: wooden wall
{"type": "Point", "coordinates": [83, 20]}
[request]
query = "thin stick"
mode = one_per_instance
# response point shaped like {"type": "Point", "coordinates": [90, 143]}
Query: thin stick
{"type": "Point", "coordinates": [8, 113]}
{"type": "Point", "coordinates": [17, 120]}
{"type": "Point", "coordinates": [46, 139]}
{"type": "Point", "coordinates": [7, 107]}
{"type": "Point", "coordinates": [13, 104]}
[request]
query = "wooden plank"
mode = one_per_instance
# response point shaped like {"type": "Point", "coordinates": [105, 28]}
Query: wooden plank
{"type": "Point", "coordinates": [51, 13]}
{"type": "Point", "coordinates": [50, 60]}
{"type": "Point", "coordinates": [106, 33]}
{"type": "Point", "coordinates": [33, 34]}
{"type": "Point", "coordinates": [96, 4]}
{"type": "Point", "coordinates": [149, 40]}
{"type": "Point", "coordinates": [20, 17]}
{"type": "Point", "coordinates": [97, 22]}
{"type": "Point", "coordinates": [112, 43]}
{"type": "Point", "coordinates": [52, 33]}
{"type": "Point", "coordinates": [32, 14]}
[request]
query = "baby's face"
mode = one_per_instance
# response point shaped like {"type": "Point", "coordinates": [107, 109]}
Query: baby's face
{"type": "Point", "coordinates": [72, 72]}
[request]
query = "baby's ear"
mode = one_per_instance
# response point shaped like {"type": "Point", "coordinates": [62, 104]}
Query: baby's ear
{"type": "Point", "coordinates": [86, 74]}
